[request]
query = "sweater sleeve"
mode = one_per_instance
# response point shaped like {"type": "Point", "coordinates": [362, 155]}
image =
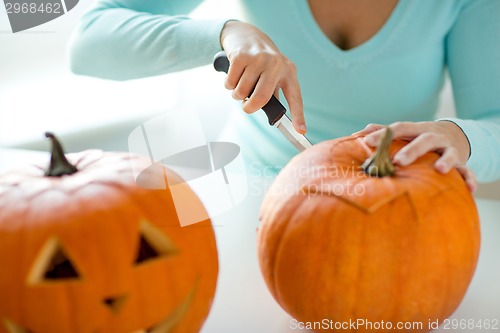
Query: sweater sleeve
{"type": "Point", "coordinates": [473, 58]}
{"type": "Point", "coordinates": [129, 39]}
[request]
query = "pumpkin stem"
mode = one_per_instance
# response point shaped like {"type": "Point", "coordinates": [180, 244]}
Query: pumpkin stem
{"type": "Point", "coordinates": [379, 164]}
{"type": "Point", "coordinates": [59, 165]}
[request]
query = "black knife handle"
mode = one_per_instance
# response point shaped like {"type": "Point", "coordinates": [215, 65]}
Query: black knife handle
{"type": "Point", "coordinates": [274, 109]}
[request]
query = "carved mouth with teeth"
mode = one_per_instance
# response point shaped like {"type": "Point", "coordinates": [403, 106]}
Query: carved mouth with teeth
{"type": "Point", "coordinates": [165, 326]}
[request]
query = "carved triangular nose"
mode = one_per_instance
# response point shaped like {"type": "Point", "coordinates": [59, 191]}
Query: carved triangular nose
{"type": "Point", "coordinates": [114, 303]}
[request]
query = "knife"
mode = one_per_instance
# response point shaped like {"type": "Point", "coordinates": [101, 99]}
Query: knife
{"type": "Point", "coordinates": [275, 111]}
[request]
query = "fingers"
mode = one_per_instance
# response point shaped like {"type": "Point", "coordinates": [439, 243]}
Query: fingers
{"type": "Point", "coordinates": [255, 75]}
{"type": "Point", "coordinates": [424, 137]}
{"type": "Point", "coordinates": [448, 160]}
{"type": "Point", "coordinates": [370, 128]}
{"type": "Point", "coordinates": [470, 178]}
{"type": "Point", "coordinates": [234, 74]}
{"type": "Point", "coordinates": [245, 86]}
{"type": "Point", "coordinates": [293, 95]}
{"type": "Point", "coordinates": [277, 93]}
{"type": "Point", "coordinates": [258, 70]}
{"type": "Point", "coordinates": [255, 78]}
{"type": "Point", "coordinates": [419, 146]}
{"type": "Point", "coordinates": [264, 90]}
{"type": "Point", "coordinates": [400, 130]}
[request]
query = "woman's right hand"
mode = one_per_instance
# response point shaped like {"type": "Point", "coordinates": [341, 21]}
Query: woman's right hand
{"type": "Point", "coordinates": [258, 69]}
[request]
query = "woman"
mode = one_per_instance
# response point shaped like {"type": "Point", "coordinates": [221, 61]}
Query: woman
{"type": "Point", "coordinates": [357, 62]}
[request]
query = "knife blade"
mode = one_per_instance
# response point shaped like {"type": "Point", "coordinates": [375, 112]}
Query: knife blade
{"type": "Point", "coordinates": [275, 111]}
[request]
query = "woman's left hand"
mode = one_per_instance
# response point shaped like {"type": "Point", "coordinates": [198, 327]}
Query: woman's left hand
{"type": "Point", "coordinates": [443, 137]}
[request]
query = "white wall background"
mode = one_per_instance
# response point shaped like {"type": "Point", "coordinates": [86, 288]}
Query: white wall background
{"type": "Point", "coordinates": [38, 92]}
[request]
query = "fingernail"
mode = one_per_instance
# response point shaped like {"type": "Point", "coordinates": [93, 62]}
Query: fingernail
{"type": "Point", "coordinates": [401, 159]}
{"type": "Point", "coordinates": [442, 167]}
{"type": "Point", "coordinates": [303, 128]}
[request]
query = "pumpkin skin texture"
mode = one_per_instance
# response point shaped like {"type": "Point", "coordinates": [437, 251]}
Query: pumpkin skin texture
{"type": "Point", "coordinates": [95, 252]}
{"type": "Point", "coordinates": [337, 244]}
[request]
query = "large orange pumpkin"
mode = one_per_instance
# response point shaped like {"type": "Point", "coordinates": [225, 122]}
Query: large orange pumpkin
{"type": "Point", "coordinates": [337, 246]}
{"type": "Point", "coordinates": [91, 251]}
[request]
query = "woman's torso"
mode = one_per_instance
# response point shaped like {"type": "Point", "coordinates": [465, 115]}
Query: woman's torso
{"type": "Point", "coordinates": [395, 75]}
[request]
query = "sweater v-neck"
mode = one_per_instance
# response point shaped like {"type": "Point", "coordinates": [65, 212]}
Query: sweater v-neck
{"type": "Point", "coordinates": [328, 48]}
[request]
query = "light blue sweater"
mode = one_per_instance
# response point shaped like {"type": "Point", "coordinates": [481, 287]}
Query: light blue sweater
{"type": "Point", "coordinates": [394, 76]}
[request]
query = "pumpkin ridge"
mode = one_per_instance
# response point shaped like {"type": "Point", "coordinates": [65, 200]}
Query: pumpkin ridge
{"type": "Point", "coordinates": [462, 195]}
{"type": "Point", "coordinates": [472, 244]}
{"type": "Point", "coordinates": [444, 304]}
{"type": "Point", "coordinates": [276, 255]}
{"type": "Point", "coordinates": [359, 274]}
{"type": "Point", "coordinates": [79, 161]}
{"type": "Point", "coordinates": [337, 236]}
{"type": "Point", "coordinates": [418, 220]}
{"type": "Point", "coordinates": [414, 208]}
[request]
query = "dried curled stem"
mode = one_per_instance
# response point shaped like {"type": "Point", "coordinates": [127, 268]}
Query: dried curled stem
{"type": "Point", "coordinates": [379, 164]}
{"type": "Point", "coordinates": [59, 164]}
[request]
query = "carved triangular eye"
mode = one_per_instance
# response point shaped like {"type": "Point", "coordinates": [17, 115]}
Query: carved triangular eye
{"type": "Point", "coordinates": [53, 264]}
{"type": "Point", "coordinates": [146, 251]}
{"type": "Point", "coordinates": [152, 244]}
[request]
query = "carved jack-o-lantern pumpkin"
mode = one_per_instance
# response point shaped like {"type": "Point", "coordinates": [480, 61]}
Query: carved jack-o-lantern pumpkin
{"type": "Point", "coordinates": [94, 252]}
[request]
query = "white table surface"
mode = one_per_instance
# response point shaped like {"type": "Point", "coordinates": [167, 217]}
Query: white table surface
{"type": "Point", "coordinates": [242, 302]}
